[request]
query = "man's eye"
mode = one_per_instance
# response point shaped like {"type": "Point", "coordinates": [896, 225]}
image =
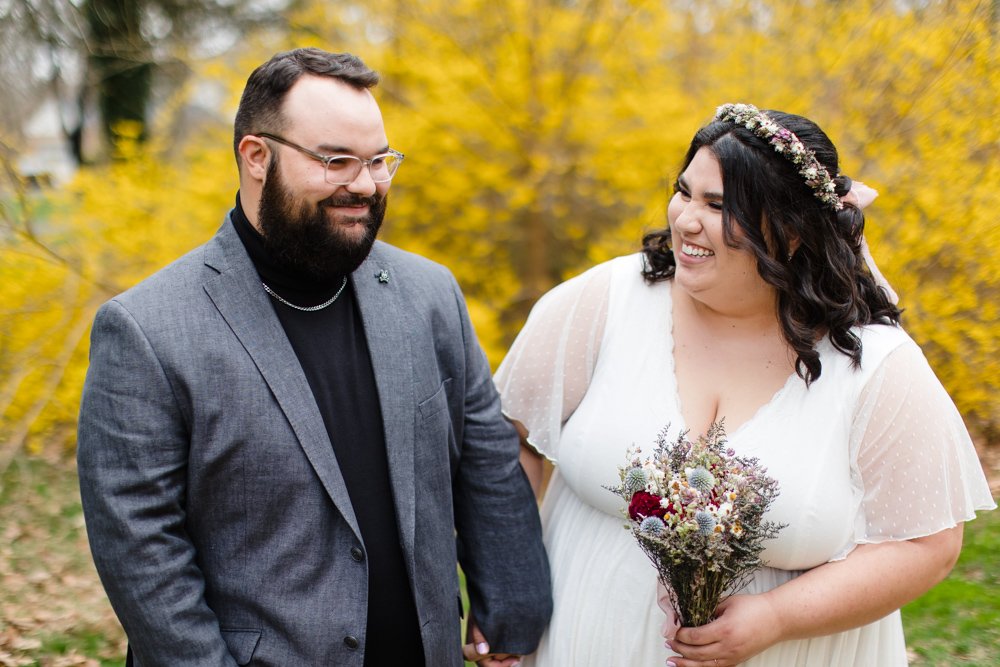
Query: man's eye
{"type": "Point", "coordinates": [340, 163]}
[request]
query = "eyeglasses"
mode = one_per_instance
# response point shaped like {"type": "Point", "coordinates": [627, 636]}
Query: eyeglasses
{"type": "Point", "coordinates": [343, 169]}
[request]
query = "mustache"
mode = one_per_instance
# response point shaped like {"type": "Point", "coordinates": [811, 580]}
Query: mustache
{"type": "Point", "coordinates": [351, 200]}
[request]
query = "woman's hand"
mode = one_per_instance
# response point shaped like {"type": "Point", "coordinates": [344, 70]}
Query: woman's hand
{"type": "Point", "coordinates": [477, 650]}
{"type": "Point", "coordinates": [744, 626]}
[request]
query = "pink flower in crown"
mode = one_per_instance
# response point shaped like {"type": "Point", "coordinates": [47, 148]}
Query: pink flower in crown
{"type": "Point", "coordinates": [787, 144]}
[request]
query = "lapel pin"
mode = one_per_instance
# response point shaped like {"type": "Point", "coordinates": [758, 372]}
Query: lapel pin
{"type": "Point", "coordinates": [383, 276]}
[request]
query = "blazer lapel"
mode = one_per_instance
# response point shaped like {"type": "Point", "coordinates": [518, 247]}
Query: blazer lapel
{"type": "Point", "coordinates": [385, 317]}
{"type": "Point", "coordinates": [250, 315]}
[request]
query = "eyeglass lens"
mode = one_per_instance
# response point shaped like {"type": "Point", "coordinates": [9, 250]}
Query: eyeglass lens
{"type": "Point", "coordinates": [343, 170]}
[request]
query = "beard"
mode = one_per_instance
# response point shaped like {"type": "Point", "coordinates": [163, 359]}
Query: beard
{"type": "Point", "coordinates": [303, 240]}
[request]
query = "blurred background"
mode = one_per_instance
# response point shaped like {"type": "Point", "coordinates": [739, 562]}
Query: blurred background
{"type": "Point", "coordinates": [541, 136]}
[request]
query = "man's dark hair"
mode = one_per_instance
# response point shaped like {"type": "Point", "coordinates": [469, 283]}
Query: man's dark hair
{"type": "Point", "coordinates": [823, 288]}
{"type": "Point", "coordinates": [260, 105]}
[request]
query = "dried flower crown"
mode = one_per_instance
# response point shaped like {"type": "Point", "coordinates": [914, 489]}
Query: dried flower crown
{"type": "Point", "coordinates": [786, 144]}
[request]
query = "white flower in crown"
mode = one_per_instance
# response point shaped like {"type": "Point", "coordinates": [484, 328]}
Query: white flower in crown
{"type": "Point", "coordinates": [785, 142]}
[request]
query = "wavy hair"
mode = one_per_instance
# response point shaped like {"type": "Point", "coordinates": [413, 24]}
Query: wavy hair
{"type": "Point", "coordinates": [824, 287]}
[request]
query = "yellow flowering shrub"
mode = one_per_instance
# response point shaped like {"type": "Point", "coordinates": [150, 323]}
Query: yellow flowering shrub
{"type": "Point", "coordinates": [541, 137]}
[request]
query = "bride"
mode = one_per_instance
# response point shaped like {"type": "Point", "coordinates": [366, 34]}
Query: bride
{"type": "Point", "coordinates": [755, 305]}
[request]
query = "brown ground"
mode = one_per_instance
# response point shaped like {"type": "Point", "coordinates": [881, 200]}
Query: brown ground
{"type": "Point", "coordinates": [990, 457]}
{"type": "Point", "coordinates": [53, 612]}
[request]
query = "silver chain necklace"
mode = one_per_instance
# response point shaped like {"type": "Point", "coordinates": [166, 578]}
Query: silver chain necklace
{"type": "Point", "coordinates": [308, 309]}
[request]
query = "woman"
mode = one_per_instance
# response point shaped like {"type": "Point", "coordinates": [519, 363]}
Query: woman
{"type": "Point", "coordinates": [755, 306]}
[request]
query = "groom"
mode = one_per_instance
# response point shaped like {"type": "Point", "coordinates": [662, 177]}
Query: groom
{"type": "Point", "coordinates": [289, 436]}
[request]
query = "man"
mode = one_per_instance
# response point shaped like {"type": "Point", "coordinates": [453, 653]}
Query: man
{"type": "Point", "coordinates": [283, 432]}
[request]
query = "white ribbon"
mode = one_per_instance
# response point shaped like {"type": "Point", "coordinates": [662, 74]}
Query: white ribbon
{"type": "Point", "coordinates": [861, 196]}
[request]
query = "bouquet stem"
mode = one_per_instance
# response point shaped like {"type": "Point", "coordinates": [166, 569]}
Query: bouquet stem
{"type": "Point", "coordinates": [696, 592]}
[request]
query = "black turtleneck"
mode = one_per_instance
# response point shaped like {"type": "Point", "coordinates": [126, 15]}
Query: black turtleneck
{"type": "Point", "coordinates": [331, 348]}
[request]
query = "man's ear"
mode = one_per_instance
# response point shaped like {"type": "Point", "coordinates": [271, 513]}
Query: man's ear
{"type": "Point", "coordinates": [255, 155]}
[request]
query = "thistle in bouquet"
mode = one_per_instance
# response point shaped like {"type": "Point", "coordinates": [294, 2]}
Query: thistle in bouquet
{"type": "Point", "coordinates": [697, 511]}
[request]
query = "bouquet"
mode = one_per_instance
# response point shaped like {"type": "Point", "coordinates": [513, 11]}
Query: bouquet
{"type": "Point", "coordinates": [697, 511]}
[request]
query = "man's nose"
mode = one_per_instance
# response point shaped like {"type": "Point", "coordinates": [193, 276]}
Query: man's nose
{"type": "Point", "coordinates": [363, 183]}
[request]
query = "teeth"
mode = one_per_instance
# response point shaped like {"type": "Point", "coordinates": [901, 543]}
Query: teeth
{"type": "Point", "coordinates": [695, 251]}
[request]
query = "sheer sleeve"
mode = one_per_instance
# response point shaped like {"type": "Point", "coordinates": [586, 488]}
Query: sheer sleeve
{"type": "Point", "coordinates": [547, 371]}
{"type": "Point", "coordinates": [917, 465]}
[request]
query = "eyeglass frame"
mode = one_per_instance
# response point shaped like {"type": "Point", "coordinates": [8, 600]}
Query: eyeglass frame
{"type": "Point", "coordinates": [327, 159]}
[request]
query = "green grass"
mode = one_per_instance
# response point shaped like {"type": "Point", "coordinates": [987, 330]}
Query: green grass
{"type": "Point", "coordinates": [958, 621]}
{"type": "Point", "coordinates": [53, 611]}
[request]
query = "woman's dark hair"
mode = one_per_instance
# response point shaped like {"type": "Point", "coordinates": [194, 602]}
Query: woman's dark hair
{"type": "Point", "coordinates": [825, 287]}
{"type": "Point", "coordinates": [260, 104]}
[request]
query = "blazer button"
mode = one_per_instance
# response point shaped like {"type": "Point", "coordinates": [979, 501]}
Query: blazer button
{"type": "Point", "coordinates": [357, 554]}
{"type": "Point", "coordinates": [351, 642]}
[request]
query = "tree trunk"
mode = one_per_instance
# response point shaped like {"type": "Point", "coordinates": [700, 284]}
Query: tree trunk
{"type": "Point", "coordinates": [121, 66]}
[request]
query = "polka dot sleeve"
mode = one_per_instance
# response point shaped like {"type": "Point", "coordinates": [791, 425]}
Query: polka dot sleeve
{"type": "Point", "coordinates": [916, 464]}
{"type": "Point", "coordinates": [548, 368]}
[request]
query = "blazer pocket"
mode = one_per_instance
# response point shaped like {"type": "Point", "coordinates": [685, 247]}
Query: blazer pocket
{"type": "Point", "coordinates": [242, 643]}
{"type": "Point", "coordinates": [436, 403]}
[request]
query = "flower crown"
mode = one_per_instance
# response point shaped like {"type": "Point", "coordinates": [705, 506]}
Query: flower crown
{"type": "Point", "coordinates": [787, 144]}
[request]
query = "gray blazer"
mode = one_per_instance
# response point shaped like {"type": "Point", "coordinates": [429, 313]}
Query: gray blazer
{"type": "Point", "coordinates": [218, 518]}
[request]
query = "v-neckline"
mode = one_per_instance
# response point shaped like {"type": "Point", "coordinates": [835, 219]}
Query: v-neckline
{"type": "Point", "coordinates": [679, 405]}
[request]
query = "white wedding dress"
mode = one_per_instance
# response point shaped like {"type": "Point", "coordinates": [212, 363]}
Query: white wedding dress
{"type": "Point", "coordinates": [863, 455]}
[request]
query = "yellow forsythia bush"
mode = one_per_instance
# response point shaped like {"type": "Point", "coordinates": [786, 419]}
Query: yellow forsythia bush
{"type": "Point", "coordinates": [542, 137]}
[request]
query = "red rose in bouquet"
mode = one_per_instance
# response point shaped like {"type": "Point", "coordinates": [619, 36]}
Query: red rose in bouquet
{"type": "Point", "coordinates": [645, 504]}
